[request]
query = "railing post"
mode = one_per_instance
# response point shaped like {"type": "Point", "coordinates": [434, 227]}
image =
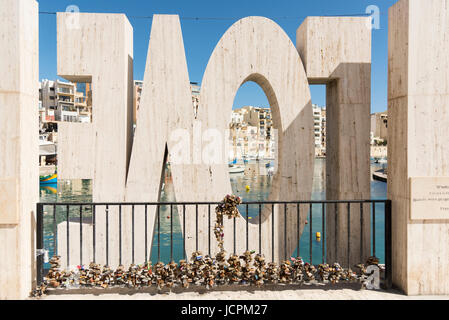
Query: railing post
{"type": "Point", "coordinates": [388, 246]}
{"type": "Point", "coordinates": [40, 243]}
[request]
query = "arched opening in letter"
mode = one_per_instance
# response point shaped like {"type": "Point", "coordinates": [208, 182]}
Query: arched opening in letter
{"type": "Point", "coordinates": [252, 145]}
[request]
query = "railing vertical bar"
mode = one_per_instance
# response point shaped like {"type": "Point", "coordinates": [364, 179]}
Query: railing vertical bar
{"type": "Point", "coordinates": [146, 234]}
{"type": "Point", "coordinates": [336, 232]}
{"type": "Point", "coordinates": [208, 229]}
{"type": "Point", "coordinates": [247, 222]}
{"type": "Point", "coordinates": [171, 232]}
{"type": "Point", "coordinates": [40, 243]}
{"type": "Point", "coordinates": [374, 229]}
{"type": "Point", "coordinates": [94, 223]}
{"type": "Point", "coordinates": [158, 233]}
{"type": "Point", "coordinates": [81, 235]}
{"type": "Point", "coordinates": [55, 248]}
{"type": "Point", "coordinates": [120, 234]}
{"type": "Point", "coordinates": [388, 244]}
{"type": "Point", "coordinates": [196, 226]}
{"type": "Point", "coordinates": [133, 236]}
{"type": "Point", "coordinates": [68, 236]}
{"type": "Point", "coordinates": [361, 233]}
{"type": "Point", "coordinates": [107, 234]}
{"type": "Point", "coordinates": [260, 228]}
{"type": "Point", "coordinates": [310, 234]}
{"type": "Point", "coordinates": [298, 240]}
{"type": "Point", "coordinates": [184, 228]}
{"type": "Point", "coordinates": [349, 234]}
{"type": "Point", "coordinates": [285, 231]}
{"type": "Point", "coordinates": [323, 231]}
{"type": "Point", "coordinates": [235, 240]}
{"type": "Point", "coordinates": [272, 232]}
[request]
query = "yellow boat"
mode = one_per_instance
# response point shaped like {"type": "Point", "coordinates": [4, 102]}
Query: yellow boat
{"type": "Point", "coordinates": [51, 179]}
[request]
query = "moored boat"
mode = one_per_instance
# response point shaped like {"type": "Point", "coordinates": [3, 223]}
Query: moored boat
{"type": "Point", "coordinates": [51, 179]}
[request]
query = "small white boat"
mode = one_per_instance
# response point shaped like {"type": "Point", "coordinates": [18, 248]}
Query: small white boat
{"type": "Point", "coordinates": [236, 169]}
{"type": "Point", "coordinates": [47, 148]}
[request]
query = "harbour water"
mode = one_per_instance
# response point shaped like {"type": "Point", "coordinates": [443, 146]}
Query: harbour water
{"type": "Point", "coordinates": [259, 189]}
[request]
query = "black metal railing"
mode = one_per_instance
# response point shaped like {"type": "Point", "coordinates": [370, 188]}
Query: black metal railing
{"type": "Point", "coordinates": [63, 211]}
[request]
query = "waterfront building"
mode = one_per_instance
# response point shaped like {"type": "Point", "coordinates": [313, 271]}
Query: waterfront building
{"type": "Point", "coordinates": [262, 143]}
{"type": "Point", "coordinates": [319, 128]}
{"type": "Point", "coordinates": [86, 105]}
{"type": "Point", "coordinates": [195, 88]}
{"type": "Point", "coordinates": [138, 85]}
{"type": "Point", "coordinates": [251, 133]}
{"type": "Point", "coordinates": [62, 102]}
{"type": "Point", "coordinates": [323, 131]}
{"type": "Point", "coordinates": [379, 127]}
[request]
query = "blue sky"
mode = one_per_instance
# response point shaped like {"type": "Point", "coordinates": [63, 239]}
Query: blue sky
{"type": "Point", "coordinates": [200, 37]}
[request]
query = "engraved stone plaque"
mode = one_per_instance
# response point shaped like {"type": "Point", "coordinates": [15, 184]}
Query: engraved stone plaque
{"type": "Point", "coordinates": [429, 198]}
{"type": "Point", "coordinates": [8, 201]}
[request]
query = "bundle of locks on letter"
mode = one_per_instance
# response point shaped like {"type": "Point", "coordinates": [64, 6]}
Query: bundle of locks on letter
{"type": "Point", "coordinates": [206, 271]}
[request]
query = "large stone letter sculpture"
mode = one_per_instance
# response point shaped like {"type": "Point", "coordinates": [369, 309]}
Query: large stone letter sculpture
{"type": "Point", "coordinates": [19, 180]}
{"type": "Point", "coordinates": [257, 49]}
{"type": "Point", "coordinates": [165, 116]}
{"type": "Point", "coordinates": [337, 52]}
{"type": "Point", "coordinates": [98, 49]}
{"type": "Point", "coordinates": [418, 149]}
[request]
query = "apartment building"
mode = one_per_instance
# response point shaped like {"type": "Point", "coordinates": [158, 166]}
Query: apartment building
{"type": "Point", "coordinates": [138, 85]}
{"type": "Point", "coordinates": [317, 122]}
{"type": "Point", "coordinates": [379, 126]}
{"type": "Point", "coordinates": [62, 102]}
{"type": "Point", "coordinates": [319, 130]}
{"type": "Point", "coordinates": [251, 132]}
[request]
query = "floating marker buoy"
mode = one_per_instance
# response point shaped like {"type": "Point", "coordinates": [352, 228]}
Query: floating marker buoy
{"type": "Point", "coordinates": [168, 217]}
{"type": "Point", "coordinates": [318, 236]}
{"type": "Point", "coordinates": [248, 188]}
{"type": "Point", "coordinates": [307, 222]}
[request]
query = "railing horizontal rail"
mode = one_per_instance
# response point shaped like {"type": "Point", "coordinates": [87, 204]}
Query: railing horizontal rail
{"type": "Point", "coordinates": [206, 203]}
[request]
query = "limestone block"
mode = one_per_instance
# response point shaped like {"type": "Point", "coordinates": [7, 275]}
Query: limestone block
{"type": "Point", "coordinates": [325, 43]}
{"type": "Point", "coordinates": [19, 151]}
{"type": "Point", "coordinates": [165, 108]}
{"type": "Point", "coordinates": [418, 102]}
{"type": "Point", "coordinates": [246, 52]}
{"type": "Point", "coordinates": [337, 52]}
{"type": "Point", "coordinates": [9, 189]}
{"type": "Point", "coordinates": [99, 50]}
{"type": "Point", "coordinates": [76, 142]}
{"type": "Point", "coordinates": [74, 243]}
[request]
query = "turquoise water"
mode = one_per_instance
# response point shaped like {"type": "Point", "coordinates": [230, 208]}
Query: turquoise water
{"type": "Point", "coordinates": [81, 191]}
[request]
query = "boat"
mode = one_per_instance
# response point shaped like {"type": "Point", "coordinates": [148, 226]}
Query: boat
{"type": "Point", "coordinates": [51, 179]}
{"type": "Point", "coordinates": [46, 148]}
{"type": "Point", "coordinates": [380, 175]}
{"type": "Point", "coordinates": [380, 161]}
{"type": "Point", "coordinates": [236, 169]}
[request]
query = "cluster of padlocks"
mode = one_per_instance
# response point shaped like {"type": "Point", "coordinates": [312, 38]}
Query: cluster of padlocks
{"type": "Point", "coordinates": [205, 271]}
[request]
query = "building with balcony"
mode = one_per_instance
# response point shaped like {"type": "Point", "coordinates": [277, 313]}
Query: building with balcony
{"type": "Point", "coordinates": [62, 102]}
{"type": "Point", "coordinates": [379, 127]}
{"type": "Point", "coordinates": [319, 129]}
